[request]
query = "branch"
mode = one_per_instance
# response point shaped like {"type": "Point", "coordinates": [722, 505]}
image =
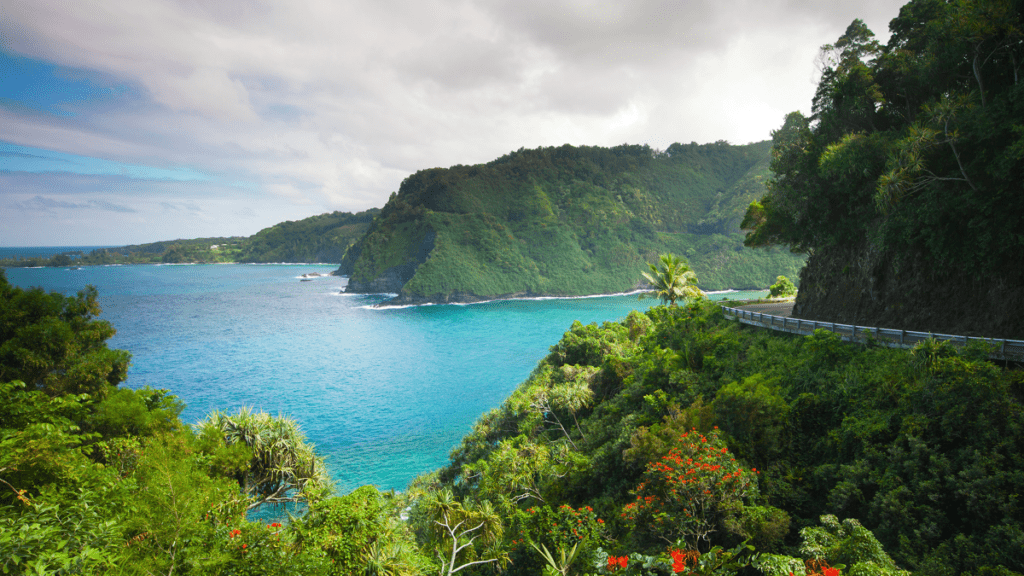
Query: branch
{"type": "Point", "coordinates": [473, 563]}
{"type": "Point", "coordinates": [20, 494]}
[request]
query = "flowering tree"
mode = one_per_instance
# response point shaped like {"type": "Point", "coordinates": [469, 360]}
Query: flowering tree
{"type": "Point", "coordinates": [684, 493]}
{"type": "Point", "coordinates": [571, 532]}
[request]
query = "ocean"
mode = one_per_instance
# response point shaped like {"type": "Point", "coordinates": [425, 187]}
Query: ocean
{"type": "Point", "coordinates": [384, 393]}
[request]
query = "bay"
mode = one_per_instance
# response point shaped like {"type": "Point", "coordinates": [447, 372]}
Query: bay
{"type": "Point", "coordinates": [384, 393]}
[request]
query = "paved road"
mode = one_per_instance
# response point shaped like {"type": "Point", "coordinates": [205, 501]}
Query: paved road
{"type": "Point", "coordinates": [776, 309]}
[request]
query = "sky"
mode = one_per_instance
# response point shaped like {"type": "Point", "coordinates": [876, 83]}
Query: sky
{"type": "Point", "coordinates": [132, 121]}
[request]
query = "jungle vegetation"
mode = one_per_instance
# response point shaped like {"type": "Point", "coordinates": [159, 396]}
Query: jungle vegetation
{"type": "Point", "coordinates": [568, 221]}
{"type": "Point", "coordinates": [671, 441]}
{"type": "Point", "coordinates": [904, 184]}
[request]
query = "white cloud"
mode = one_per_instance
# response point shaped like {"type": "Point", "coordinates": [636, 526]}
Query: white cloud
{"type": "Point", "coordinates": [324, 105]}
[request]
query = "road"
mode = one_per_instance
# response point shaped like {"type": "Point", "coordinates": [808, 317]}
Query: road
{"type": "Point", "coordinates": [784, 309]}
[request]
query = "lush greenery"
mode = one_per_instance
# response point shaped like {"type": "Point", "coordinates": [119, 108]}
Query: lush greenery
{"type": "Point", "coordinates": [322, 238]}
{"type": "Point", "coordinates": [568, 220]}
{"type": "Point", "coordinates": [783, 288]}
{"type": "Point", "coordinates": [671, 441]}
{"type": "Point", "coordinates": [690, 435]}
{"type": "Point", "coordinates": [907, 172]}
{"type": "Point", "coordinates": [671, 280]}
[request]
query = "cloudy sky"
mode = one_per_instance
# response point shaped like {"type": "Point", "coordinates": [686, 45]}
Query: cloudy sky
{"type": "Point", "coordinates": [128, 121]}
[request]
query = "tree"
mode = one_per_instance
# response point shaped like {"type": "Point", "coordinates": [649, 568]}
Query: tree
{"type": "Point", "coordinates": [462, 535]}
{"type": "Point", "coordinates": [783, 288]}
{"type": "Point", "coordinates": [283, 468]}
{"type": "Point", "coordinates": [688, 491]}
{"type": "Point", "coordinates": [672, 281]}
{"type": "Point", "coordinates": [54, 343]}
{"type": "Point", "coordinates": [361, 533]}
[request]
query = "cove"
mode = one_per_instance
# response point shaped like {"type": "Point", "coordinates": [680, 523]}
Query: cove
{"type": "Point", "coordinates": [384, 393]}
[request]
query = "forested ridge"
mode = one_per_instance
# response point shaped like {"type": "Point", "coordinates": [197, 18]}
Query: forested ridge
{"type": "Point", "coordinates": [567, 221]}
{"type": "Point", "coordinates": [321, 238]}
{"type": "Point", "coordinates": [904, 185]}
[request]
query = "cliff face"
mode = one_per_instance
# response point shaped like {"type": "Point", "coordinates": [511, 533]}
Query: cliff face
{"type": "Point", "coordinates": [390, 281]}
{"type": "Point", "coordinates": [869, 287]}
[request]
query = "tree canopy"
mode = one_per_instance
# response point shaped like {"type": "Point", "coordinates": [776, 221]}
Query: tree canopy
{"type": "Point", "coordinates": [908, 168]}
{"type": "Point", "coordinates": [671, 280]}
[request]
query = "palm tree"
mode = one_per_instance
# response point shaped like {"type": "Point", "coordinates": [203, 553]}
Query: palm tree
{"type": "Point", "coordinates": [283, 468]}
{"type": "Point", "coordinates": [671, 281]}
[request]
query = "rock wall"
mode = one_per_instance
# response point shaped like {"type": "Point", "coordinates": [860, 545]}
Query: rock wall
{"type": "Point", "coordinates": [870, 287]}
{"type": "Point", "coordinates": [390, 281]}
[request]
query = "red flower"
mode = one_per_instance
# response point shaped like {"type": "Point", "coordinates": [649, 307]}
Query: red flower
{"type": "Point", "coordinates": [617, 562]}
{"type": "Point", "coordinates": [245, 545]}
{"type": "Point", "coordinates": [830, 571]}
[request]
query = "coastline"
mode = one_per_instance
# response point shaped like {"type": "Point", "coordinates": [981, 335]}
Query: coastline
{"type": "Point", "coordinates": [73, 266]}
{"type": "Point", "coordinates": [410, 302]}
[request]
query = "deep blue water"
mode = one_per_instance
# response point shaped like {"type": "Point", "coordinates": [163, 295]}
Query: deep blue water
{"type": "Point", "coordinates": [385, 394]}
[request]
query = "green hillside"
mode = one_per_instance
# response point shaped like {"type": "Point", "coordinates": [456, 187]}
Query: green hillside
{"type": "Point", "coordinates": [567, 221]}
{"type": "Point", "coordinates": [321, 238]}
{"type": "Point", "coordinates": [670, 442]}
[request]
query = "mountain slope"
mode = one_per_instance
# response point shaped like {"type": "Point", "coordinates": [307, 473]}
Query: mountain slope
{"type": "Point", "coordinates": [566, 221]}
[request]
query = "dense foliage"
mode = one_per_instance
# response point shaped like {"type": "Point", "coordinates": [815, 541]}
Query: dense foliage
{"type": "Point", "coordinates": [783, 288]}
{"type": "Point", "coordinates": [906, 176]}
{"type": "Point", "coordinates": [567, 220]}
{"type": "Point", "coordinates": [690, 432]}
{"type": "Point", "coordinates": [671, 441]}
{"type": "Point", "coordinates": [322, 238]}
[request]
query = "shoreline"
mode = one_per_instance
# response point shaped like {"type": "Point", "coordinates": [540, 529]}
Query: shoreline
{"type": "Point", "coordinates": [385, 304]}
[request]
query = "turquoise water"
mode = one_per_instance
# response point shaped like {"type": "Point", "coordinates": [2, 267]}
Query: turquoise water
{"type": "Point", "coordinates": [385, 394]}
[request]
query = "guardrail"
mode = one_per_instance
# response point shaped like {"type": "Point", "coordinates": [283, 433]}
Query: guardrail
{"type": "Point", "coordinates": [1004, 349]}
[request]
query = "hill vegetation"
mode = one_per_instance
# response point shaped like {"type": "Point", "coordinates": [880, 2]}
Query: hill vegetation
{"type": "Point", "coordinates": [322, 238]}
{"type": "Point", "coordinates": [904, 184]}
{"type": "Point", "coordinates": [672, 441]}
{"type": "Point", "coordinates": [567, 221]}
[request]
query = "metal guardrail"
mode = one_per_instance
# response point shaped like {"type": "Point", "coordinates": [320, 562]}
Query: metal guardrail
{"type": "Point", "coordinates": [1004, 349]}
